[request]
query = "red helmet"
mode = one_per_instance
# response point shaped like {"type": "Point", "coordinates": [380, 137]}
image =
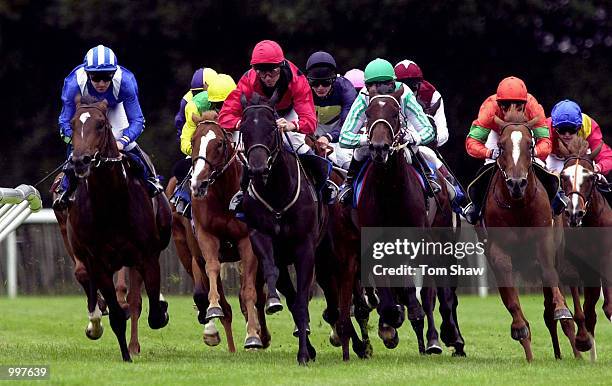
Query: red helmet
{"type": "Point", "coordinates": [407, 69]}
{"type": "Point", "coordinates": [267, 52]}
{"type": "Point", "coordinates": [512, 88]}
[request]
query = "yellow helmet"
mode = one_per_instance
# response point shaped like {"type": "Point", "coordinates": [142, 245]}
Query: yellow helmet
{"type": "Point", "coordinates": [220, 87]}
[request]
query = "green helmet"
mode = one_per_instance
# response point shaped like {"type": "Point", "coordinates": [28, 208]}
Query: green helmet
{"type": "Point", "coordinates": [379, 70]}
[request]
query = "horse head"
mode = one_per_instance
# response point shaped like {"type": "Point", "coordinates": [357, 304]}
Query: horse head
{"type": "Point", "coordinates": [578, 177]}
{"type": "Point", "coordinates": [92, 136]}
{"type": "Point", "coordinates": [516, 150]}
{"type": "Point", "coordinates": [260, 134]}
{"type": "Point", "coordinates": [210, 152]}
{"type": "Point", "coordinates": [384, 127]}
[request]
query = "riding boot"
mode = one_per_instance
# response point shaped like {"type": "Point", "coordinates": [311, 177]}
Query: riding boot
{"type": "Point", "coordinates": [65, 189]}
{"type": "Point", "coordinates": [152, 182]}
{"type": "Point", "coordinates": [460, 202]}
{"type": "Point", "coordinates": [427, 172]}
{"type": "Point", "coordinates": [182, 198]}
{"type": "Point", "coordinates": [346, 190]}
{"type": "Point", "coordinates": [559, 203]}
{"type": "Point", "coordinates": [236, 201]}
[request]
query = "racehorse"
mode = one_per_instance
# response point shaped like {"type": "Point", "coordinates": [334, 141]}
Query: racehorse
{"type": "Point", "coordinates": [216, 177]}
{"type": "Point", "coordinates": [517, 202]}
{"type": "Point", "coordinates": [589, 249]}
{"type": "Point", "coordinates": [285, 218]}
{"type": "Point", "coordinates": [391, 197]}
{"type": "Point", "coordinates": [113, 222]}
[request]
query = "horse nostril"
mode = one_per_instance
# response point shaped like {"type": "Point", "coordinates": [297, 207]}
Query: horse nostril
{"type": "Point", "coordinates": [523, 182]}
{"type": "Point", "coordinates": [580, 213]}
{"type": "Point", "coordinates": [86, 160]}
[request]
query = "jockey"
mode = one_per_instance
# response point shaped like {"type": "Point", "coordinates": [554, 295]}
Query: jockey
{"type": "Point", "coordinates": [379, 79]}
{"type": "Point", "coordinates": [101, 77]}
{"type": "Point", "coordinates": [409, 73]}
{"type": "Point", "coordinates": [567, 121]}
{"type": "Point", "coordinates": [218, 89]}
{"type": "Point", "coordinates": [510, 91]}
{"type": "Point", "coordinates": [271, 72]}
{"type": "Point", "coordinates": [333, 96]}
{"type": "Point", "coordinates": [199, 82]}
{"type": "Point", "coordinates": [356, 77]}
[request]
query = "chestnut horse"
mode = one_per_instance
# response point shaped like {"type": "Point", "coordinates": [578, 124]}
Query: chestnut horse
{"type": "Point", "coordinates": [517, 202]}
{"type": "Point", "coordinates": [113, 223]}
{"type": "Point", "coordinates": [216, 177]}
{"type": "Point", "coordinates": [588, 252]}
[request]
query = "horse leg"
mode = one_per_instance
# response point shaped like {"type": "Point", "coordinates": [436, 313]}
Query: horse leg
{"type": "Point", "coordinates": [116, 313]}
{"type": "Point", "coordinates": [260, 304]}
{"type": "Point", "coordinates": [158, 307]}
{"type": "Point", "coordinates": [582, 340]}
{"type": "Point", "coordinates": [121, 290]}
{"type": "Point", "coordinates": [459, 346]}
{"type": "Point", "coordinates": [519, 329]}
{"type": "Point", "coordinates": [550, 321]}
{"type": "Point", "coordinates": [226, 320]}
{"type": "Point", "coordinates": [449, 329]}
{"type": "Point", "coordinates": [180, 236]}
{"type": "Point", "coordinates": [362, 315]}
{"type": "Point", "coordinates": [210, 336]}
{"type": "Point", "coordinates": [135, 304]}
{"type": "Point", "coordinates": [591, 297]}
{"type": "Point", "coordinates": [407, 296]}
{"type": "Point", "coordinates": [428, 297]}
{"type": "Point", "coordinates": [344, 326]}
{"type": "Point", "coordinates": [209, 245]}
{"type": "Point", "coordinates": [304, 268]}
{"type": "Point", "coordinates": [248, 293]}
{"type": "Point", "coordinates": [94, 328]}
{"type": "Point", "coordinates": [390, 317]}
{"type": "Point", "coordinates": [263, 247]}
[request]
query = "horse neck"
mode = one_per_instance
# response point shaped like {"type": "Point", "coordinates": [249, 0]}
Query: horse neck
{"type": "Point", "coordinates": [598, 211]}
{"type": "Point", "coordinates": [227, 183]}
{"type": "Point", "coordinates": [283, 174]}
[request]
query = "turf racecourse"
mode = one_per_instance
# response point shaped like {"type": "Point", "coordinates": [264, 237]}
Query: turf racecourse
{"type": "Point", "coordinates": [50, 330]}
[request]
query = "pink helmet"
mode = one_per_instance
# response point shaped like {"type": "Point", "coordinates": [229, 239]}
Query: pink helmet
{"type": "Point", "coordinates": [356, 77]}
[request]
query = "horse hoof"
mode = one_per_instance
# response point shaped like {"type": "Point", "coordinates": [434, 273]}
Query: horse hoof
{"type": "Point", "coordinates": [334, 339]}
{"type": "Point", "coordinates": [392, 343]}
{"type": "Point", "coordinates": [583, 345]}
{"type": "Point", "coordinates": [127, 359]}
{"type": "Point", "coordinates": [433, 348]}
{"type": "Point", "coordinates": [156, 324]}
{"type": "Point", "coordinates": [212, 340]}
{"type": "Point", "coordinates": [134, 349]}
{"type": "Point", "coordinates": [519, 333]}
{"type": "Point", "coordinates": [296, 332]}
{"type": "Point", "coordinates": [459, 353]}
{"type": "Point", "coordinates": [563, 313]}
{"type": "Point", "coordinates": [213, 312]}
{"type": "Point", "coordinates": [273, 305]}
{"type": "Point", "coordinates": [94, 331]}
{"type": "Point", "coordinates": [252, 343]}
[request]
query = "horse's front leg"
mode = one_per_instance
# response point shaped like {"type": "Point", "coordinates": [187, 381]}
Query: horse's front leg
{"type": "Point", "coordinates": [263, 246]}
{"type": "Point", "coordinates": [304, 269]}
{"type": "Point", "coordinates": [248, 293]}
{"type": "Point", "coordinates": [209, 245]}
{"type": "Point", "coordinates": [134, 297]}
{"type": "Point", "coordinates": [550, 278]}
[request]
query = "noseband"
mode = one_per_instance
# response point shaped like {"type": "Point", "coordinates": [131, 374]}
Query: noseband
{"type": "Point", "coordinates": [397, 137]}
{"type": "Point", "coordinates": [219, 169]}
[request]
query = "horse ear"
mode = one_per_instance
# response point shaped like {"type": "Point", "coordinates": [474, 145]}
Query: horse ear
{"type": "Point", "coordinates": [595, 152]}
{"type": "Point", "coordinates": [533, 122]}
{"type": "Point", "coordinates": [196, 118]}
{"type": "Point", "coordinates": [243, 100]}
{"type": "Point", "coordinates": [77, 100]}
{"type": "Point", "coordinates": [500, 122]}
{"type": "Point", "coordinates": [397, 94]}
{"type": "Point", "coordinates": [104, 104]}
{"type": "Point", "coordinates": [564, 152]}
{"type": "Point", "coordinates": [274, 99]}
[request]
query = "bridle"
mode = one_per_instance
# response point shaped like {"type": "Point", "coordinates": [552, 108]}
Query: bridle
{"type": "Point", "coordinates": [585, 199]}
{"type": "Point", "coordinates": [272, 153]}
{"type": "Point", "coordinates": [501, 150]}
{"type": "Point", "coordinates": [98, 160]}
{"type": "Point", "coordinates": [398, 137]}
{"type": "Point", "coordinates": [218, 169]}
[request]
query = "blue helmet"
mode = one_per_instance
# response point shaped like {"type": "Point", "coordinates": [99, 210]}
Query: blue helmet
{"type": "Point", "coordinates": [566, 113]}
{"type": "Point", "coordinates": [100, 59]}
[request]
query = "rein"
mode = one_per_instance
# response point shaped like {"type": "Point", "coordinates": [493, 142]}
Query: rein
{"type": "Point", "coordinates": [397, 137]}
{"type": "Point", "coordinates": [98, 160]}
{"type": "Point", "coordinates": [227, 160]}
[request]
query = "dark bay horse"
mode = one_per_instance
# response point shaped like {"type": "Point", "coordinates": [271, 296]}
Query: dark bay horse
{"type": "Point", "coordinates": [286, 220]}
{"type": "Point", "coordinates": [216, 177]}
{"type": "Point", "coordinates": [392, 196]}
{"type": "Point", "coordinates": [517, 205]}
{"type": "Point", "coordinates": [113, 222]}
{"type": "Point", "coordinates": [589, 250]}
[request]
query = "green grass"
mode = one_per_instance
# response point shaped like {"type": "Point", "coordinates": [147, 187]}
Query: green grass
{"type": "Point", "coordinates": [50, 330]}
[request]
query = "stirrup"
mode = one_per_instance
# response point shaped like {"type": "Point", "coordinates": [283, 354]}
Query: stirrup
{"type": "Point", "coordinates": [235, 204]}
{"type": "Point", "coordinates": [471, 214]}
{"type": "Point", "coordinates": [154, 187]}
{"type": "Point", "coordinates": [435, 186]}
{"type": "Point", "coordinates": [345, 196]}
{"type": "Point", "coordinates": [62, 201]}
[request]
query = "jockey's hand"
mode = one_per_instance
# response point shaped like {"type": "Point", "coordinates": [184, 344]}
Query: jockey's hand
{"type": "Point", "coordinates": [596, 168]}
{"type": "Point", "coordinates": [323, 142]}
{"type": "Point", "coordinates": [285, 125]}
{"type": "Point", "coordinates": [408, 137]}
{"type": "Point", "coordinates": [119, 145]}
{"type": "Point", "coordinates": [493, 154]}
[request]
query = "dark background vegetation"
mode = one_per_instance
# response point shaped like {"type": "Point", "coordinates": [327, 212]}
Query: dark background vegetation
{"type": "Point", "coordinates": [561, 48]}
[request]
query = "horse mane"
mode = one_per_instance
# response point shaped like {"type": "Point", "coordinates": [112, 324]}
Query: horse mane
{"type": "Point", "coordinates": [209, 115]}
{"type": "Point", "coordinates": [577, 147]}
{"type": "Point", "coordinates": [515, 116]}
{"type": "Point", "coordinates": [89, 100]}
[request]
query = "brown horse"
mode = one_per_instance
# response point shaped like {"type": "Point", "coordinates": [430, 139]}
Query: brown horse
{"type": "Point", "coordinates": [517, 202]}
{"type": "Point", "coordinates": [131, 302]}
{"type": "Point", "coordinates": [591, 259]}
{"type": "Point", "coordinates": [113, 222]}
{"type": "Point", "coordinates": [216, 177]}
